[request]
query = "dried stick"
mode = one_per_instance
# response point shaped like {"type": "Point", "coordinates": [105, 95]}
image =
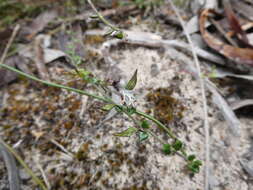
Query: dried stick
{"type": "Point", "coordinates": [202, 85]}
{"type": "Point", "coordinates": [14, 33]}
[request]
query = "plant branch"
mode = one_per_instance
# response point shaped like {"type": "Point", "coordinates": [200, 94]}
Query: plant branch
{"type": "Point", "coordinates": [170, 133]}
{"type": "Point", "coordinates": [102, 18]}
{"type": "Point", "coordinates": [14, 33]}
{"type": "Point", "coordinates": [54, 84]}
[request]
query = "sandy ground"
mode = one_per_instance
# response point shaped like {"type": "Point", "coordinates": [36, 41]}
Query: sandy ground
{"type": "Point", "coordinates": [94, 158]}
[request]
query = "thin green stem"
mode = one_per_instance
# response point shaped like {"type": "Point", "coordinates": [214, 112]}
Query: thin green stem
{"type": "Point", "coordinates": [101, 17]}
{"type": "Point", "coordinates": [54, 84]}
{"type": "Point", "coordinates": [170, 133]}
{"type": "Point", "coordinates": [183, 154]}
{"type": "Point", "coordinates": [146, 130]}
{"type": "Point", "coordinates": [104, 99]}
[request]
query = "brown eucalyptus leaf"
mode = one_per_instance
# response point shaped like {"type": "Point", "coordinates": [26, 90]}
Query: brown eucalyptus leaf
{"type": "Point", "coordinates": [237, 55]}
{"type": "Point", "coordinates": [41, 22]}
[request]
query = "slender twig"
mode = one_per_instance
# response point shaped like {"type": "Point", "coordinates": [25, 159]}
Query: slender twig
{"type": "Point", "coordinates": [44, 176]}
{"type": "Point", "coordinates": [61, 147]}
{"type": "Point", "coordinates": [202, 85]}
{"type": "Point", "coordinates": [14, 33]}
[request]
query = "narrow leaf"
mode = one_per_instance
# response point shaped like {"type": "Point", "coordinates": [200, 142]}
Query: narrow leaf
{"type": "Point", "coordinates": [167, 149]}
{"type": "Point", "coordinates": [132, 82]}
{"type": "Point", "coordinates": [143, 135]}
{"type": "Point", "coordinates": [131, 110]}
{"type": "Point", "coordinates": [108, 107]}
{"type": "Point", "coordinates": [127, 133]}
{"type": "Point", "coordinates": [191, 157]}
{"type": "Point", "coordinates": [177, 145]}
{"type": "Point", "coordinates": [145, 124]}
{"type": "Point", "coordinates": [119, 35]}
{"type": "Point", "coordinates": [194, 166]}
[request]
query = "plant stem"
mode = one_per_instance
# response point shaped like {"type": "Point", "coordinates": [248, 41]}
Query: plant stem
{"type": "Point", "coordinates": [170, 133]}
{"type": "Point", "coordinates": [54, 84]}
{"type": "Point", "coordinates": [183, 154]}
{"type": "Point", "coordinates": [146, 130]}
{"type": "Point", "coordinates": [101, 17]}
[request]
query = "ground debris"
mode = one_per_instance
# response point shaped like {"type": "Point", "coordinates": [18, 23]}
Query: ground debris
{"type": "Point", "coordinates": [166, 108]}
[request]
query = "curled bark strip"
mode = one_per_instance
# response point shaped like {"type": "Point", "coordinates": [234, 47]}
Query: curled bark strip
{"type": "Point", "coordinates": [238, 55]}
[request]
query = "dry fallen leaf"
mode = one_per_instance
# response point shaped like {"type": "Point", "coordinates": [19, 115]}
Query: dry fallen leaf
{"type": "Point", "coordinates": [235, 54]}
{"type": "Point", "coordinates": [41, 22]}
{"type": "Point", "coordinates": [49, 54]}
{"type": "Point", "coordinates": [234, 22]}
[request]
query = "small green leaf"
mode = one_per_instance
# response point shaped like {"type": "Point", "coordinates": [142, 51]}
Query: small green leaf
{"type": "Point", "coordinates": [131, 110]}
{"type": "Point", "coordinates": [83, 73]}
{"type": "Point", "coordinates": [119, 35]}
{"type": "Point", "coordinates": [127, 133]}
{"type": "Point", "coordinates": [167, 149]}
{"type": "Point", "coordinates": [145, 124]}
{"type": "Point", "coordinates": [108, 107]}
{"type": "Point", "coordinates": [177, 145]}
{"type": "Point", "coordinates": [191, 157]}
{"type": "Point", "coordinates": [194, 166]}
{"type": "Point", "coordinates": [132, 82]}
{"type": "Point", "coordinates": [198, 162]}
{"type": "Point", "coordinates": [143, 135]}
